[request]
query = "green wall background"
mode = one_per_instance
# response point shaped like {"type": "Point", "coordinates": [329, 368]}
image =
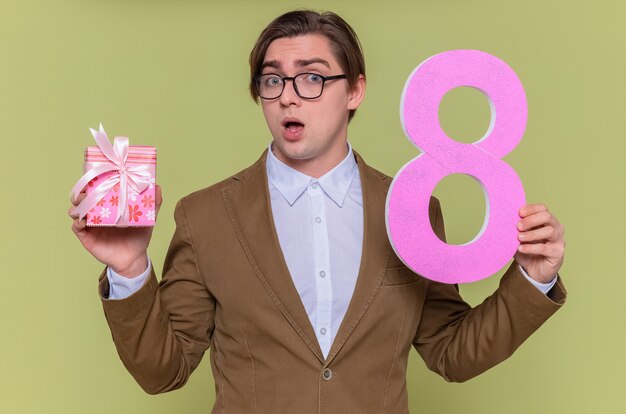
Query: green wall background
{"type": "Point", "coordinates": [174, 74]}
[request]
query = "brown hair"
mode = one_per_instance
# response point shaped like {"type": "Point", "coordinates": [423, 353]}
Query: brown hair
{"type": "Point", "coordinates": [344, 42]}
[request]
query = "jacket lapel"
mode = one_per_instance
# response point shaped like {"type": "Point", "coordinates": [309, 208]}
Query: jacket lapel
{"type": "Point", "coordinates": [375, 255]}
{"type": "Point", "coordinates": [248, 204]}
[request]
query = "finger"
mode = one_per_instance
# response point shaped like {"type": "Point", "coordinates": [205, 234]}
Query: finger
{"type": "Point", "coordinates": [81, 196]}
{"type": "Point", "coordinates": [529, 209]}
{"type": "Point", "coordinates": [79, 226]}
{"type": "Point", "coordinates": [159, 198]}
{"type": "Point", "coordinates": [541, 218]}
{"type": "Point", "coordinates": [546, 233]}
{"type": "Point", "coordinates": [72, 213]}
{"type": "Point", "coordinates": [549, 250]}
{"type": "Point", "coordinates": [73, 199]}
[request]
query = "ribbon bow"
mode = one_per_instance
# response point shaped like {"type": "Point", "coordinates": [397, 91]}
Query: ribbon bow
{"type": "Point", "coordinates": [135, 176]}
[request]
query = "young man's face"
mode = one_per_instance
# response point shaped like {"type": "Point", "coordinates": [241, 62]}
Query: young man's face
{"type": "Point", "coordinates": [309, 134]}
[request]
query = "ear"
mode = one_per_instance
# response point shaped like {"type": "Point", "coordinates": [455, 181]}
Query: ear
{"type": "Point", "coordinates": [356, 93]}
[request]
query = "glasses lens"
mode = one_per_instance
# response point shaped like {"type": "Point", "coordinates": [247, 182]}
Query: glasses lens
{"type": "Point", "coordinates": [269, 86]}
{"type": "Point", "coordinates": [309, 85]}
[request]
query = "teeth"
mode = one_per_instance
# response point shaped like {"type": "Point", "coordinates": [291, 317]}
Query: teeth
{"type": "Point", "coordinates": [293, 126]}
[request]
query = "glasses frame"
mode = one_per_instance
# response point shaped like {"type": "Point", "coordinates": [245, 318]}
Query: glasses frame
{"type": "Point", "coordinates": [295, 86]}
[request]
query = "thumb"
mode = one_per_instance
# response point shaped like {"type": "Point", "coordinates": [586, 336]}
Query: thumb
{"type": "Point", "coordinates": [159, 199]}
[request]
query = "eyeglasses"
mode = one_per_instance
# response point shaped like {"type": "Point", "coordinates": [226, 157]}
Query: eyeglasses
{"type": "Point", "coordinates": [307, 85]}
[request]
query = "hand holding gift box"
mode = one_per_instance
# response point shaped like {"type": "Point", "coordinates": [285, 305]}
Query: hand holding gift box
{"type": "Point", "coordinates": [119, 182]}
{"type": "Point", "coordinates": [122, 249]}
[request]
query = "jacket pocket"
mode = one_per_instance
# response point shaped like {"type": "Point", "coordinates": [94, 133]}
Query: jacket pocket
{"type": "Point", "coordinates": [398, 276]}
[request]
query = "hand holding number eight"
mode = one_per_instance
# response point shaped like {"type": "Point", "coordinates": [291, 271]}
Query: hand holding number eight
{"type": "Point", "coordinates": [408, 225]}
{"type": "Point", "coordinates": [542, 247]}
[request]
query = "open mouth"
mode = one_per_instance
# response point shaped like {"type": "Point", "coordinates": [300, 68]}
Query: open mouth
{"type": "Point", "coordinates": [292, 128]}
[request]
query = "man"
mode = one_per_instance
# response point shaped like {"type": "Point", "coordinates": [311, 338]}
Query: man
{"type": "Point", "coordinates": [285, 272]}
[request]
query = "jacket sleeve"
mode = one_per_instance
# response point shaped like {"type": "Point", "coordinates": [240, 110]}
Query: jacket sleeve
{"type": "Point", "coordinates": [459, 342]}
{"type": "Point", "coordinates": [162, 331]}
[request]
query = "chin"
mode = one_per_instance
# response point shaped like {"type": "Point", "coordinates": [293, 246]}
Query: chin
{"type": "Point", "coordinates": [297, 155]}
{"type": "Point", "coordinates": [290, 149]}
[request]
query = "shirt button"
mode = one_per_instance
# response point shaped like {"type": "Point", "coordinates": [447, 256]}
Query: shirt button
{"type": "Point", "coordinates": [323, 331]}
{"type": "Point", "coordinates": [322, 273]}
{"type": "Point", "coordinates": [327, 374]}
{"type": "Point", "coordinates": [314, 186]}
{"type": "Point", "coordinates": [318, 220]}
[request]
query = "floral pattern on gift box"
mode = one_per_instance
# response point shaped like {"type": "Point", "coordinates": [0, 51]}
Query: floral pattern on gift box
{"type": "Point", "coordinates": [147, 201]}
{"type": "Point", "coordinates": [132, 194]}
{"type": "Point", "coordinates": [138, 213]}
{"type": "Point", "coordinates": [134, 212]}
{"type": "Point", "coordinates": [138, 206]}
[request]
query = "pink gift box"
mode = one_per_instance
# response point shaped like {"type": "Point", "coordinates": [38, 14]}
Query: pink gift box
{"type": "Point", "coordinates": [140, 210]}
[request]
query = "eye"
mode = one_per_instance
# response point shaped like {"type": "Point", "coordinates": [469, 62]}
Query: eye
{"type": "Point", "coordinates": [271, 80]}
{"type": "Point", "coordinates": [313, 78]}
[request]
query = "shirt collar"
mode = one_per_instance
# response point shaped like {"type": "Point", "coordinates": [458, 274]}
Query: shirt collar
{"type": "Point", "coordinates": [292, 183]}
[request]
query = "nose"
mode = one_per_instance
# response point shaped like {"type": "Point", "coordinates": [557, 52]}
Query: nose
{"type": "Point", "coordinates": [289, 95]}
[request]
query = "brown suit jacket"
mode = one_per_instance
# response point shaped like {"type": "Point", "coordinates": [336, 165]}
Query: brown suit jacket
{"type": "Point", "coordinates": [226, 286]}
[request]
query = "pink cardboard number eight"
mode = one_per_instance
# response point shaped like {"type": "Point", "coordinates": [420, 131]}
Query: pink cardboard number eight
{"type": "Point", "coordinates": [408, 224]}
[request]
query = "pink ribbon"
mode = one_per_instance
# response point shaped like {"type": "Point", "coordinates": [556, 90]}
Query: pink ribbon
{"type": "Point", "coordinates": [136, 176]}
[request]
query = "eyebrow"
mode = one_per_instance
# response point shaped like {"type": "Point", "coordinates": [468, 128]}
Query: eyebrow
{"type": "Point", "coordinates": [300, 62]}
{"type": "Point", "coordinates": [271, 64]}
{"type": "Point", "coordinates": [307, 62]}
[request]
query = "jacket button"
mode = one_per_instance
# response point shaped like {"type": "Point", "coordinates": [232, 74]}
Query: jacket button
{"type": "Point", "coordinates": [327, 374]}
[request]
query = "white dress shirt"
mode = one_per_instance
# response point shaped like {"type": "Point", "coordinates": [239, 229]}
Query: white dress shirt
{"type": "Point", "coordinates": [319, 223]}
